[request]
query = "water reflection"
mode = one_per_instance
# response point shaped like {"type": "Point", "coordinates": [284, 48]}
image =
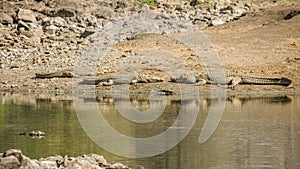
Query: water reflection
{"type": "Point", "coordinates": [253, 132]}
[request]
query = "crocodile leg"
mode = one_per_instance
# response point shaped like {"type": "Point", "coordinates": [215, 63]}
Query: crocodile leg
{"type": "Point", "coordinates": [200, 82]}
{"type": "Point", "coordinates": [234, 81]}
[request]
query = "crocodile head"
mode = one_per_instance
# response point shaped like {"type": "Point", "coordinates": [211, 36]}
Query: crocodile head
{"type": "Point", "coordinates": [285, 81]}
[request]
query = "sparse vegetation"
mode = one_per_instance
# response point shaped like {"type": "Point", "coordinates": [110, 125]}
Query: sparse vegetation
{"type": "Point", "coordinates": [205, 1]}
{"type": "Point", "coordinates": [149, 2]}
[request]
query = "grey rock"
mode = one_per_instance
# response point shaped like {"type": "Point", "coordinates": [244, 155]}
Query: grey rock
{"type": "Point", "coordinates": [26, 15]}
{"type": "Point", "coordinates": [99, 159]}
{"type": "Point", "coordinates": [119, 166]}
{"type": "Point", "coordinates": [88, 19]}
{"type": "Point", "coordinates": [14, 152]}
{"type": "Point", "coordinates": [48, 164]}
{"type": "Point", "coordinates": [87, 33]}
{"type": "Point", "coordinates": [227, 10]}
{"type": "Point", "coordinates": [65, 12]}
{"type": "Point", "coordinates": [57, 21]}
{"type": "Point", "coordinates": [28, 34]}
{"type": "Point", "coordinates": [22, 24]}
{"type": "Point", "coordinates": [28, 163]}
{"type": "Point", "coordinates": [217, 21]}
{"type": "Point", "coordinates": [51, 29]}
{"type": "Point", "coordinates": [9, 162]}
{"type": "Point", "coordinates": [105, 13]}
{"type": "Point", "coordinates": [6, 19]}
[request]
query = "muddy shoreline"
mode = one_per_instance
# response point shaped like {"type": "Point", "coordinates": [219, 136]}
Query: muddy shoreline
{"type": "Point", "coordinates": [65, 34]}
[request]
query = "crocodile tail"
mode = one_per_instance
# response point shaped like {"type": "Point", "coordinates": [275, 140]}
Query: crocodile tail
{"type": "Point", "coordinates": [267, 81]}
{"type": "Point", "coordinates": [277, 81]}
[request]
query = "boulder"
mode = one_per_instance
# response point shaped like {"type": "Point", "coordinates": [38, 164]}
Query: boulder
{"type": "Point", "coordinates": [26, 15]}
{"type": "Point", "coordinates": [104, 13]}
{"type": "Point", "coordinates": [88, 19]}
{"type": "Point", "coordinates": [99, 159]}
{"type": "Point", "coordinates": [6, 19]}
{"type": "Point", "coordinates": [87, 33]}
{"type": "Point", "coordinates": [65, 12]}
{"type": "Point", "coordinates": [119, 166]}
{"type": "Point", "coordinates": [48, 164]}
{"type": "Point", "coordinates": [28, 163]}
{"type": "Point", "coordinates": [9, 162]}
{"type": "Point", "coordinates": [13, 159]}
{"type": "Point", "coordinates": [14, 152]}
{"type": "Point", "coordinates": [56, 21]}
{"type": "Point", "coordinates": [82, 162]}
{"type": "Point", "coordinates": [51, 29]}
{"type": "Point", "coordinates": [59, 21]}
{"type": "Point", "coordinates": [216, 22]}
{"type": "Point", "coordinates": [22, 24]}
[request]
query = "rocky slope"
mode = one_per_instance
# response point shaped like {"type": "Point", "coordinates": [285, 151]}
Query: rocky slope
{"type": "Point", "coordinates": [40, 36]}
{"type": "Point", "coordinates": [13, 159]}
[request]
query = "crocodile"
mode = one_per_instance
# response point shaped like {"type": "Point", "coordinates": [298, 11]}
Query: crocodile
{"type": "Point", "coordinates": [61, 74]}
{"type": "Point", "coordinates": [233, 79]}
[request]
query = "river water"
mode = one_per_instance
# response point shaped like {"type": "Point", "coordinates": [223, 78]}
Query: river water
{"type": "Point", "coordinates": [205, 132]}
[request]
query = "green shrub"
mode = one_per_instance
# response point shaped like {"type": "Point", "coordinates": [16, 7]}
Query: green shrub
{"type": "Point", "coordinates": [149, 2]}
{"type": "Point", "coordinates": [206, 1]}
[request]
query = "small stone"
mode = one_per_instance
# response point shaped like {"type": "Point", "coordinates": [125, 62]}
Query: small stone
{"type": "Point", "coordinates": [227, 10]}
{"type": "Point", "coordinates": [22, 24]}
{"type": "Point", "coordinates": [64, 12]}
{"type": "Point", "coordinates": [26, 15]}
{"type": "Point", "coordinates": [216, 22]}
{"type": "Point", "coordinates": [14, 66]}
{"type": "Point", "coordinates": [99, 159]}
{"type": "Point", "coordinates": [28, 163]}
{"type": "Point", "coordinates": [51, 29]}
{"type": "Point", "coordinates": [5, 19]}
{"type": "Point", "coordinates": [118, 165]}
{"type": "Point", "coordinates": [14, 86]}
{"type": "Point", "coordinates": [48, 164]}
{"type": "Point", "coordinates": [59, 21]}
{"type": "Point", "coordinates": [87, 33]}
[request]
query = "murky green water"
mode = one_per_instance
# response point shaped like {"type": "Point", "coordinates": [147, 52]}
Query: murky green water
{"type": "Point", "coordinates": [251, 132]}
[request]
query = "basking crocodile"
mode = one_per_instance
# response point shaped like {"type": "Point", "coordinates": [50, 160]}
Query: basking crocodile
{"type": "Point", "coordinates": [232, 79]}
{"type": "Point", "coordinates": [61, 74]}
{"type": "Point", "coordinates": [34, 134]}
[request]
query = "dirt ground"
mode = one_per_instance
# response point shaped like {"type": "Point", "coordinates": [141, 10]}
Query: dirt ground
{"type": "Point", "coordinates": [264, 43]}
